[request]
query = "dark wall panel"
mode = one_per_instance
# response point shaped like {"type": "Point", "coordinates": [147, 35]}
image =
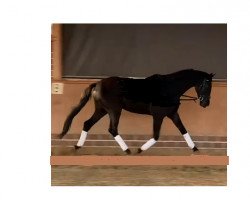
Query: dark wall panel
{"type": "Point", "coordinates": [140, 50]}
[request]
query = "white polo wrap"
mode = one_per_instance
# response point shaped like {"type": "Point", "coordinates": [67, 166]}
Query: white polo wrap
{"type": "Point", "coordinates": [189, 140]}
{"type": "Point", "coordinates": [148, 144]}
{"type": "Point", "coordinates": [82, 138]}
{"type": "Point", "coordinates": [121, 142]}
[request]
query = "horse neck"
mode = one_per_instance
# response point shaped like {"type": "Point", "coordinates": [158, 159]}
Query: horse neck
{"type": "Point", "coordinates": [185, 80]}
{"type": "Point", "coordinates": [185, 84]}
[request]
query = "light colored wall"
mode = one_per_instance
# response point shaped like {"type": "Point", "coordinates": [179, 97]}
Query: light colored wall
{"type": "Point", "coordinates": [210, 121]}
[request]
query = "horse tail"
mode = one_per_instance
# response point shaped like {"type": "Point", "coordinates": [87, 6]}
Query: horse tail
{"type": "Point", "coordinates": [84, 99]}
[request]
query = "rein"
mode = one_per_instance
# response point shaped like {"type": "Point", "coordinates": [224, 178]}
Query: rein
{"type": "Point", "coordinates": [190, 98]}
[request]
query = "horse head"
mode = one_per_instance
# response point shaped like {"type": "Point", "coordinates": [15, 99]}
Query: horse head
{"type": "Point", "coordinates": [203, 90]}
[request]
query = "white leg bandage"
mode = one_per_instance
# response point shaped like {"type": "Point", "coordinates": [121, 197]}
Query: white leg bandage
{"type": "Point", "coordinates": [189, 140]}
{"type": "Point", "coordinates": [82, 138]}
{"type": "Point", "coordinates": [148, 144]}
{"type": "Point", "coordinates": [121, 142]}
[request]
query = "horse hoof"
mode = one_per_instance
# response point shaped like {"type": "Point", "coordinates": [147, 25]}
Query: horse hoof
{"type": "Point", "coordinates": [139, 150]}
{"type": "Point", "coordinates": [195, 149]}
{"type": "Point", "coordinates": [77, 147]}
{"type": "Point", "coordinates": [128, 151]}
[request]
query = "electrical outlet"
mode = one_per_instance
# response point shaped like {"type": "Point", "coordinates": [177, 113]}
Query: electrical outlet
{"type": "Point", "coordinates": [57, 88]}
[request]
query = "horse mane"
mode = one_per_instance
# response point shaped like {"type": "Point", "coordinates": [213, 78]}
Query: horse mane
{"type": "Point", "coordinates": [179, 75]}
{"type": "Point", "coordinates": [194, 74]}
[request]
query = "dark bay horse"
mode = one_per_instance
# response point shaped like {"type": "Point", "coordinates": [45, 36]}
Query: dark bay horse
{"type": "Point", "coordinates": [157, 95]}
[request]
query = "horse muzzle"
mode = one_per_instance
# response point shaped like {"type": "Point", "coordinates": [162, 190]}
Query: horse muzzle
{"type": "Point", "coordinates": [204, 102]}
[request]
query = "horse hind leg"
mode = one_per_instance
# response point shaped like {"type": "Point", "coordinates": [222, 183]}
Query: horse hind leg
{"type": "Point", "coordinates": [157, 121]}
{"type": "Point", "coordinates": [114, 120]}
{"type": "Point", "coordinates": [98, 114]}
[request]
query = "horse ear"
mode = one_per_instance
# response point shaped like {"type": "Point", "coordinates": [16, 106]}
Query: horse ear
{"type": "Point", "coordinates": [212, 75]}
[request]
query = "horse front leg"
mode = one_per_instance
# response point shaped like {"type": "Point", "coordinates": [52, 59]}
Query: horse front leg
{"type": "Point", "coordinates": [178, 123]}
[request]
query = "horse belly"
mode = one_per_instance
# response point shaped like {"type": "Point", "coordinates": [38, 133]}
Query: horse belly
{"type": "Point", "coordinates": [136, 106]}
